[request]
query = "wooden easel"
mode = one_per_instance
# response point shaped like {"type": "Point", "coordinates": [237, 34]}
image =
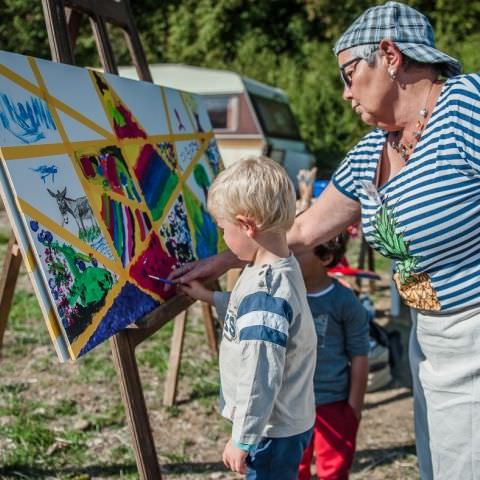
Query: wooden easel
{"type": "Point", "coordinates": [62, 19]}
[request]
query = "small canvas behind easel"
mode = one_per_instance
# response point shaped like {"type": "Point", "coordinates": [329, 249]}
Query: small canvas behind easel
{"type": "Point", "coordinates": [60, 33]}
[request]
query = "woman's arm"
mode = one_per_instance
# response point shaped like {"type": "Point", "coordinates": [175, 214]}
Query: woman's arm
{"type": "Point", "coordinates": [329, 215]}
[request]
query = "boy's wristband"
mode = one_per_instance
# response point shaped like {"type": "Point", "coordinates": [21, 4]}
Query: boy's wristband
{"type": "Point", "coordinates": [244, 446]}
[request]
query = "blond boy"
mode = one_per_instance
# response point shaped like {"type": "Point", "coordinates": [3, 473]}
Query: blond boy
{"type": "Point", "coordinates": [268, 349]}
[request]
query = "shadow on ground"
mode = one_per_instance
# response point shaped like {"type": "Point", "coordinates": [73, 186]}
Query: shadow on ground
{"type": "Point", "coordinates": [380, 456]}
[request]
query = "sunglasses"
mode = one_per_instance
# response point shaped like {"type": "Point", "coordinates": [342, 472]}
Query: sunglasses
{"type": "Point", "coordinates": [347, 77]}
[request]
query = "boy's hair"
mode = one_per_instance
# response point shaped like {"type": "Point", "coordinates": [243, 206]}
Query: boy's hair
{"type": "Point", "coordinates": [258, 188]}
{"type": "Point", "coordinates": [335, 248]}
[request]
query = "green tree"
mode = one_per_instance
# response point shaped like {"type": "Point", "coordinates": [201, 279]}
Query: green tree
{"type": "Point", "coordinates": [286, 43]}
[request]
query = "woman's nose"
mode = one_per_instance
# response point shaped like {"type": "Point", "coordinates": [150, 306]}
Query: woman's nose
{"type": "Point", "coordinates": [347, 94]}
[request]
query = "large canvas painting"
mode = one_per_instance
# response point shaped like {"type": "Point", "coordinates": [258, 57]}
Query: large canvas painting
{"type": "Point", "coordinates": [105, 181]}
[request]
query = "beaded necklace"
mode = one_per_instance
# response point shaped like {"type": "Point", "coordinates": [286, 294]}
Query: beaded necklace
{"type": "Point", "coordinates": [406, 149]}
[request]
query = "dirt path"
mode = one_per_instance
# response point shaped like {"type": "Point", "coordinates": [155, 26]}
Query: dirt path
{"type": "Point", "coordinates": [67, 421]}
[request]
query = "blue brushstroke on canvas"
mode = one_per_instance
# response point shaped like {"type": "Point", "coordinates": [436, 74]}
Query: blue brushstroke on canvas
{"type": "Point", "coordinates": [206, 236]}
{"type": "Point", "coordinates": [131, 304]}
{"type": "Point", "coordinates": [46, 171]}
{"type": "Point", "coordinates": [26, 120]}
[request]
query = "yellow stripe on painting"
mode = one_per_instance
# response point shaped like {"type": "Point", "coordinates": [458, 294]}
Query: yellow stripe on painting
{"type": "Point", "coordinates": [52, 324]}
{"type": "Point", "coordinates": [99, 190]}
{"type": "Point", "coordinates": [116, 98]}
{"type": "Point", "coordinates": [83, 338]}
{"type": "Point", "coordinates": [32, 212]}
{"type": "Point", "coordinates": [20, 81]}
{"type": "Point", "coordinates": [30, 262]}
{"type": "Point", "coordinates": [55, 333]}
{"type": "Point", "coordinates": [64, 107]}
{"type": "Point", "coordinates": [80, 118]}
{"type": "Point", "coordinates": [36, 90]}
{"type": "Point", "coordinates": [157, 297]}
{"type": "Point", "coordinates": [30, 151]}
{"type": "Point", "coordinates": [44, 90]}
{"type": "Point", "coordinates": [167, 113]}
{"type": "Point", "coordinates": [72, 155]}
{"type": "Point", "coordinates": [187, 109]}
{"type": "Point", "coordinates": [182, 180]}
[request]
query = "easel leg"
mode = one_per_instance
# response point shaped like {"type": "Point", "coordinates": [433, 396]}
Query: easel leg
{"type": "Point", "coordinates": [123, 352]}
{"type": "Point", "coordinates": [209, 321]}
{"type": "Point", "coordinates": [176, 346]}
{"type": "Point", "coordinates": [232, 277]}
{"type": "Point", "coordinates": [8, 281]}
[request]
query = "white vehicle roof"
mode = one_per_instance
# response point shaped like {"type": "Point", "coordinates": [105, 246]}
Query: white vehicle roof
{"type": "Point", "coordinates": [205, 81]}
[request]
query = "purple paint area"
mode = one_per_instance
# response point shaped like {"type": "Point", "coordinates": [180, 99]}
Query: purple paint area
{"type": "Point", "coordinates": [130, 305]}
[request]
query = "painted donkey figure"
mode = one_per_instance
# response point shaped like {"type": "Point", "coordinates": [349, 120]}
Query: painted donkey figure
{"type": "Point", "coordinates": [79, 208]}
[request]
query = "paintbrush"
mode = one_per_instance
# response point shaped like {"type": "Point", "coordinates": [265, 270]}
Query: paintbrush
{"type": "Point", "coordinates": [163, 280]}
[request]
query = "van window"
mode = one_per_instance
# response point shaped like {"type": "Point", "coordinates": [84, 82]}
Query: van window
{"type": "Point", "coordinates": [276, 118]}
{"type": "Point", "coordinates": [222, 110]}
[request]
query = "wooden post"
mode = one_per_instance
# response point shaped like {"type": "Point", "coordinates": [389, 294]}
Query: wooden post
{"type": "Point", "coordinates": [8, 281]}
{"type": "Point", "coordinates": [209, 321]}
{"type": "Point", "coordinates": [62, 32]}
{"type": "Point", "coordinates": [123, 352]}
{"type": "Point", "coordinates": [176, 346]}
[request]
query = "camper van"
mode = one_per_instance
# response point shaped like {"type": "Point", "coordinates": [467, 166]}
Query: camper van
{"type": "Point", "coordinates": [248, 117]}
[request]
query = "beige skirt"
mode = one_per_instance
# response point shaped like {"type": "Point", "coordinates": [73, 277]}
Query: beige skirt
{"type": "Point", "coordinates": [445, 354]}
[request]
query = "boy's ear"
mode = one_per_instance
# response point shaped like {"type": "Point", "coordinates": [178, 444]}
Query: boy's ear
{"type": "Point", "coordinates": [247, 224]}
{"type": "Point", "coordinates": [327, 259]}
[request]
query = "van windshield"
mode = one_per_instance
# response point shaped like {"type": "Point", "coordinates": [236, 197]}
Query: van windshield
{"type": "Point", "coordinates": [276, 118]}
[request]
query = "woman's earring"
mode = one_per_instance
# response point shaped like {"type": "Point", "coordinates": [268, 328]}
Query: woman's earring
{"type": "Point", "coordinates": [392, 73]}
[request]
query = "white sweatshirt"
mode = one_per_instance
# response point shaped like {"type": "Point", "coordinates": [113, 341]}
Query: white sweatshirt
{"type": "Point", "coordinates": [268, 353]}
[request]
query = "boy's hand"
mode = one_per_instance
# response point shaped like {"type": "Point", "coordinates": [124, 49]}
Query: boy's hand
{"type": "Point", "coordinates": [235, 458]}
{"type": "Point", "coordinates": [357, 409]}
{"type": "Point", "coordinates": [197, 291]}
{"type": "Point", "coordinates": [210, 267]}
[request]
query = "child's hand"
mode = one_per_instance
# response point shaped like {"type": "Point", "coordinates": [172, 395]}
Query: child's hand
{"type": "Point", "coordinates": [196, 290]}
{"type": "Point", "coordinates": [234, 458]}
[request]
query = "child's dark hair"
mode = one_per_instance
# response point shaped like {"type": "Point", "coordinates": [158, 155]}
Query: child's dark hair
{"type": "Point", "coordinates": [335, 248]}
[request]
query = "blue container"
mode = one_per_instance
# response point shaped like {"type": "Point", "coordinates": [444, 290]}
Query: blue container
{"type": "Point", "coordinates": [319, 187]}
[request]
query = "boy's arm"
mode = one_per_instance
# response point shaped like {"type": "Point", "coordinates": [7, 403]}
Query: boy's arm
{"type": "Point", "coordinates": [216, 298]}
{"type": "Point", "coordinates": [262, 328]}
{"type": "Point", "coordinates": [358, 383]}
{"type": "Point", "coordinates": [258, 385]}
{"type": "Point", "coordinates": [220, 301]}
{"type": "Point", "coordinates": [197, 291]}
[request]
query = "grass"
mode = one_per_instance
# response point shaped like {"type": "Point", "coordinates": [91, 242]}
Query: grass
{"type": "Point", "coordinates": [54, 418]}
{"type": "Point", "coordinates": [68, 421]}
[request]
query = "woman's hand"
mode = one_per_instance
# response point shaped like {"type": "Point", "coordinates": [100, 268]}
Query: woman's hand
{"type": "Point", "coordinates": [196, 291]}
{"type": "Point", "coordinates": [211, 267]}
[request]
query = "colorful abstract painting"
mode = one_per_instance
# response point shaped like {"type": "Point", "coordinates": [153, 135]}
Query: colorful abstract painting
{"type": "Point", "coordinates": [105, 181]}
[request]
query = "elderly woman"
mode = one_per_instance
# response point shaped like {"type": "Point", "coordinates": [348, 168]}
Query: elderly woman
{"type": "Point", "coordinates": [414, 182]}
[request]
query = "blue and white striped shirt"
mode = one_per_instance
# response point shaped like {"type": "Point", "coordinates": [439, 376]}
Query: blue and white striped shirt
{"type": "Point", "coordinates": [427, 217]}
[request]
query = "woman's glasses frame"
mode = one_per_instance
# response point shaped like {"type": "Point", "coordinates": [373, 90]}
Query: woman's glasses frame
{"type": "Point", "coordinates": [347, 77]}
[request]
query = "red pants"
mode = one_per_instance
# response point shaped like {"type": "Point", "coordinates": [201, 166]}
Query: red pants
{"type": "Point", "coordinates": [333, 440]}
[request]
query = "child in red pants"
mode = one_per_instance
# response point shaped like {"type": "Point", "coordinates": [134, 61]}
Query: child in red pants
{"type": "Point", "coordinates": [341, 373]}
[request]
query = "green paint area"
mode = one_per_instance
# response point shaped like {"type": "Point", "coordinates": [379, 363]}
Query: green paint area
{"type": "Point", "coordinates": [116, 115]}
{"type": "Point", "coordinates": [90, 283]}
{"type": "Point", "coordinates": [204, 229]}
{"type": "Point", "coordinates": [89, 234]}
{"type": "Point", "coordinates": [78, 286]}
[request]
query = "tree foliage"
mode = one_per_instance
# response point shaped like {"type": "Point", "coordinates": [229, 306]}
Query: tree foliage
{"type": "Point", "coordinates": [287, 43]}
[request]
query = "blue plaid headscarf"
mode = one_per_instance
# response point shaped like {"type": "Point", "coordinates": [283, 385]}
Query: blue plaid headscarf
{"type": "Point", "coordinates": [409, 29]}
